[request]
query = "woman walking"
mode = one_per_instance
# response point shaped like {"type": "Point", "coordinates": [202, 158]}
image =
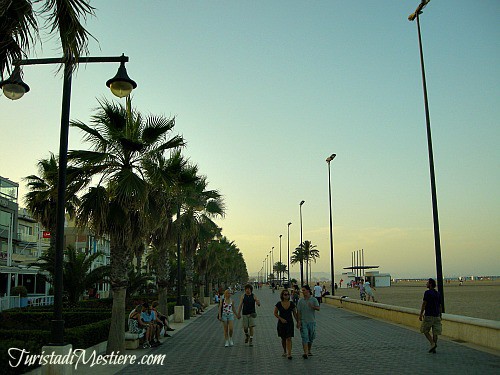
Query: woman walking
{"type": "Point", "coordinates": [226, 316]}
{"type": "Point", "coordinates": [285, 311]}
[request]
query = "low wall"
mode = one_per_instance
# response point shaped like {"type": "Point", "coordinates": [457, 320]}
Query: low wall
{"type": "Point", "coordinates": [460, 328]}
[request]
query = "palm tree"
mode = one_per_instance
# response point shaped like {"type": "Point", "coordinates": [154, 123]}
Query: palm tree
{"type": "Point", "coordinates": [19, 28]}
{"type": "Point", "coordinates": [77, 271]}
{"type": "Point", "coordinates": [298, 256]}
{"type": "Point", "coordinates": [121, 143]}
{"type": "Point", "coordinates": [195, 223]}
{"type": "Point", "coordinates": [280, 269]}
{"type": "Point", "coordinates": [137, 281]}
{"type": "Point", "coordinates": [170, 178]}
{"type": "Point", "coordinates": [41, 199]}
{"type": "Point", "coordinates": [78, 274]}
{"type": "Point", "coordinates": [310, 252]}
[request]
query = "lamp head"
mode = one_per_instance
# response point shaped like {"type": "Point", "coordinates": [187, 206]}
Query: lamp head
{"type": "Point", "coordinates": [121, 85]}
{"type": "Point", "coordinates": [330, 158]}
{"type": "Point", "coordinates": [13, 87]}
{"type": "Point", "coordinates": [418, 11]}
{"type": "Point", "coordinates": [290, 223]}
{"type": "Point", "coordinates": [302, 202]}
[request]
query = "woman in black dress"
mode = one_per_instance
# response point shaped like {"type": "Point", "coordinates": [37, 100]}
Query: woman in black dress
{"type": "Point", "coordinates": [284, 311]}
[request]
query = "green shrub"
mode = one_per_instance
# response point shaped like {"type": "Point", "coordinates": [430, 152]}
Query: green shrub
{"type": "Point", "coordinates": [80, 337]}
{"type": "Point", "coordinates": [19, 290]}
{"type": "Point", "coordinates": [42, 320]}
{"type": "Point", "coordinates": [5, 345]}
{"type": "Point", "coordinates": [100, 303]}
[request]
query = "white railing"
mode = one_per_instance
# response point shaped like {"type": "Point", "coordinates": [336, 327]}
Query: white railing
{"type": "Point", "coordinates": [12, 302]}
{"type": "Point", "coordinates": [41, 301]}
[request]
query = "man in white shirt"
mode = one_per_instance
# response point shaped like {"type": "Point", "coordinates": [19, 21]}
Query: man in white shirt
{"type": "Point", "coordinates": [317, 293]}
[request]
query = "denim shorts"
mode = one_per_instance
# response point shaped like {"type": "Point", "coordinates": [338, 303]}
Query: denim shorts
{"type": "Point", "coordinates": [227, 317]}
{"type": "Point", "coordinates": [308, 332]}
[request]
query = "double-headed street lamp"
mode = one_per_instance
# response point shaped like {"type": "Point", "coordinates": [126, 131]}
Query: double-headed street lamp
{"type": "Point", "coordinates": [437, 241]}
{"type": "Point", "coordinates": [288, 243]}
{"type": "Point", "coordinates": [14, 88]}
{"type": "Point", "coordinates": [301, 260]}
{"type": "Point", "coordinates": [328, 160]}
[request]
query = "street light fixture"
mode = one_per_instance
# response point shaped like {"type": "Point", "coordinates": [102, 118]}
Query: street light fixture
{"type": "Point", "coordinates": [301, 260]}
{"type": "Point", "coordinates": [437, 241]}
{"type": "Point", "coordinates": [328, 160]}
{"type": "Point", "coordinates": [288, 243]}
{"type": "Point", "coordinates": [14, 88]}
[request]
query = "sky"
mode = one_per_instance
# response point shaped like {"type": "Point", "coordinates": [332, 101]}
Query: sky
{"type": "Point", "coordinates": [264, 91]}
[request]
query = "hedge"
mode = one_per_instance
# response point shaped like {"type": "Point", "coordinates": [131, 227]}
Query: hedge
{"type": "Point", "coordinates": [42, 320]}
{"type": "Point", "coordinates": [81, 337]}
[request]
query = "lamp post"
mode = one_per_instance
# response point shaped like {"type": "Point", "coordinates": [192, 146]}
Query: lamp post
{"type": "Point", "coordinates": [279, 271]}
{"type": "Point", "coordinates": [271, 256]}
{"type": "Point", "coordinates": [288, 244]}
{"type": "Point", "coordinates": [437, 241]}
{"type": "Point", "coordinates": [14, 88]}
{"type": "Point", "coordinates": [267, 268]}
{"type": "Point", "coordinates": [328, 160]}
{"type": "Point", "coordinates": [301, 260]}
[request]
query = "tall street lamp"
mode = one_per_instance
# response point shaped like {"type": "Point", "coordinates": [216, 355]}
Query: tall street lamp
{"type": "Point", "coordinates": [437, 241]}
{"type": "Point", "coordinates": [279, 271]}
{"type": "Point", "coordinates": [288, 243]}
{"type": "Point", "coordinates": [14, 88]}
{"type": "Point", "coordinates": [332, 269]}
{"type": "Point", "coordinates": [301, 260]}
{"type": "Point", "coordinates": [271, 262]}
{"type": "Point", "coordinates": [265, 268]}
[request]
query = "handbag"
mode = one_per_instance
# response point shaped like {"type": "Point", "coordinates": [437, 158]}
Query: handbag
{"type": "Point", "coordinates": [221, 304]}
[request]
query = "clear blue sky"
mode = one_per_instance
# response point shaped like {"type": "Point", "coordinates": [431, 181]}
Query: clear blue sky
{"type": "Point", "coordinates": [264, 91]}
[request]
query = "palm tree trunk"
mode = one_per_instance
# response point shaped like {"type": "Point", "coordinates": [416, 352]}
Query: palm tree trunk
{"type": "Point", "coordinates": [301, 273]}
{"type": "Point", "coordinates": [120, 256]}
{"type": "Point", "coordinates": [163, 272]}
{"type": "Point", "coordinates": [138, 259]}
{"type": "Point", "coordinates": [116, 337]}
{"type": "Point", "coordinates": [189, 278]}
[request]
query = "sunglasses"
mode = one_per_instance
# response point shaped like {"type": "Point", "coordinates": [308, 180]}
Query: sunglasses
{"type": "Point", "coordinates": [286, 294]}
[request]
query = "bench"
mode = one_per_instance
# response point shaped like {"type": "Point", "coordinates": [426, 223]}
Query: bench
{"type": "Point", "coordinates": [132, 340]}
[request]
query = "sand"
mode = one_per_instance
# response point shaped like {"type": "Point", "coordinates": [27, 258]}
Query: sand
{"type": "Point", "coordinates": [478, 299]}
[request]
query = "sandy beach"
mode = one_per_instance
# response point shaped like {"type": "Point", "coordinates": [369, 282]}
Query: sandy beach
{"type": "Point", "coordinates": [478, 299]}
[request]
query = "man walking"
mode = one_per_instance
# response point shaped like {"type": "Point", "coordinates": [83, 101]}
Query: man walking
{"type": "Point", "coordinates": [306, 322]}
{"type": "Point", "coordinates": [317, 293]}
{"type": "Point", "coordinates": [431, 306]}
{"type": "Point", "coordinates": [247, 303]}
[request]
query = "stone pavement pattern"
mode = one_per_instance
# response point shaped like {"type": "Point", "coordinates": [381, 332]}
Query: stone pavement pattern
{"type": "Point", "coordinates": [346, 343]}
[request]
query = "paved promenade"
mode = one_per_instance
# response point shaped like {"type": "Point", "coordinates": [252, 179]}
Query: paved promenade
{"type": "Point", "coordinates": [346, 343]}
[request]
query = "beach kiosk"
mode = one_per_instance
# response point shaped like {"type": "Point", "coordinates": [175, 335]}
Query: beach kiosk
{"type": "Point", "coordinates": [377, 279]}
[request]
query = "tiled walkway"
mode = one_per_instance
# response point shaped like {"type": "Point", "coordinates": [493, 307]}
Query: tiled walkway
{"type": "Point", "coordinates": [346, 343]}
